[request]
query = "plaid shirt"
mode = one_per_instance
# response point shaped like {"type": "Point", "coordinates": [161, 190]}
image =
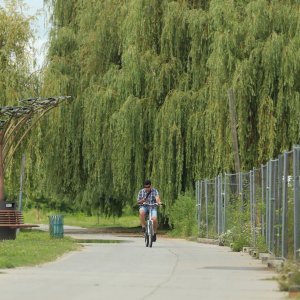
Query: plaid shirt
{"type": "Point", "coordinates": [151, 198]}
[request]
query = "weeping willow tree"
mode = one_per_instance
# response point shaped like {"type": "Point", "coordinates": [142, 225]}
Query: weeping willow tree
{"type": "Point", "coordinates": [150, 81]}
{"type": "Point", "coordinates": [265, 79]}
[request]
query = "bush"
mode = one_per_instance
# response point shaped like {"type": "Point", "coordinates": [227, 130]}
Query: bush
{"type": "Point", "coordinates": [237, 237]}
{"type": "Point", "coordinates": [260, 242]}
{"type": "Point", "coordinates": [225, 239]}
{"type": "Point", "coordinates": [241, 236]}
{"type": "Point", "coordinates": [289, 275]}
{"type": "Point", "coordinates": [183, 217]}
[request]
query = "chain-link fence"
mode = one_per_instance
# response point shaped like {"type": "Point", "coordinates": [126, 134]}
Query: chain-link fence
{"type": "Point", "coordinates": [265, 201]}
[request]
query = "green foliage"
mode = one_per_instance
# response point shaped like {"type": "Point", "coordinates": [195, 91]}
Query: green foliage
{"type": "Point", "coordinates": [289, 275]}
{"type": "Point", "coordinates": [183, 217]}
{"type": "Point", "coordinates": [150, 84]}
{"type": "Point", "coordinates": [238, 216]}
{"type": "Point", "coordinates": [226, 238]}
{"type": "Point", "coordinates": [15, 54]}
{"type": "Point", "coordinates": [241, 236]}
{"type": "Point", "coordinates": [260, 244]}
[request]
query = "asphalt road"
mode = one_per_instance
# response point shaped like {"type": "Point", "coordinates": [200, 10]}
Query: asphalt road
{"type": "Point", "coordinates": [171, 269]}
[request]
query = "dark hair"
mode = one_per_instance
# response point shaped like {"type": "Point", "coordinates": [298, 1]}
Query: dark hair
{"type": "Point", "coordinates": [147, 182]}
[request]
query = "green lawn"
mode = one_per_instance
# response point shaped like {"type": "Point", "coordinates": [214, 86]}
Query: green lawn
{"type": "Point", "coordinates": [79, 219]}
{"type": "Point", "coordinates": [33, 247]}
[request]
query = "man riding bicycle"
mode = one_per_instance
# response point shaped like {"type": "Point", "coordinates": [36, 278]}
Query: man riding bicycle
{"type": "Point", "coordinates": [148, 195]}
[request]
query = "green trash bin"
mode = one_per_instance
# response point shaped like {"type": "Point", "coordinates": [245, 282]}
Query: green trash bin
{"type": "Point", "coordinates": [56, 226]}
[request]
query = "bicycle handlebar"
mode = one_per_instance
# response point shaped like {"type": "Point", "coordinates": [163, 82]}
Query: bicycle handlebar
{"type": "Point", "coordinates": [151, 204]}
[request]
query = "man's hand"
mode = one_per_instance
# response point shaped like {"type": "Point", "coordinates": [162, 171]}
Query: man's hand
{"type": "Point", "coordinates": [141, 201]}
{"type": "Point", "coordinates": [158, 200]}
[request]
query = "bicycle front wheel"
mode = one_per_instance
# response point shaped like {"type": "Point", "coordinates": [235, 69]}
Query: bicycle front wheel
{"type": "Point", "coordinates": [146, 237]}
{"type": "Point", "coordinates": [151, 233]}
{"type": "Point", "coordinates": [150, 240]}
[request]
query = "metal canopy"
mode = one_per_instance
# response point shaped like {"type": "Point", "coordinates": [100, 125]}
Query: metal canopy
{"type": "Point", "coordinates": [16, 122]}
{"type": "Point", "coordinates": [29, 108]}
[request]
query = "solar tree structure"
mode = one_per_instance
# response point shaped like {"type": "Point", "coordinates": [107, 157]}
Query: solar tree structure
{"type": "Point", "coordinates": [16, 122]}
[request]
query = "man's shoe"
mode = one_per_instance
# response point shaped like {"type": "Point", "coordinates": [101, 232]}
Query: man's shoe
{"type": "Point", "coordinates": [154, 237]}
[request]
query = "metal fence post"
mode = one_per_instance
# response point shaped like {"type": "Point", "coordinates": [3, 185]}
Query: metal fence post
{"type": "Point", "coordinates": [284, 243]}
{"type": "Point", "coordinates": [241, 186]}
{"type": "Point", "coordinates": [268, 191]}
{"type": "Point", "coordinates": [272, 204]}
{"type": "Point", "coordinates": [216, 204]}
{"type": "Point", "coordinates": [296, 199]}
{"type": "Point", "coordinates": [278, 204]}
{"type": "Point", "coordinates": [251, 202]}
{"type": "Point", "coordinates": [263, 189]}
{"type": "Point", "coordinates": [206, 206]}
{"type": "Point", "coordinates": [254, 207]}
{"type": "Point", "coordinates": [225, 198]}
{"type": "Point", "coordinates": [219, 205]}
{"type": "Point", "coordinates": [198, 198]}
{"type": "Point", "coordinates": [222, 216]}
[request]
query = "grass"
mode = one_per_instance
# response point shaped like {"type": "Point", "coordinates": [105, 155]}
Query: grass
{"type": "Point", "coordinates": [129, 219]}
{"type": "Point", "coordinates": [32, 248]}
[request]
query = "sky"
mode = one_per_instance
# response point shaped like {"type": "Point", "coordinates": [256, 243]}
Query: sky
{"type": "Point", "coordinates": [40, 26]}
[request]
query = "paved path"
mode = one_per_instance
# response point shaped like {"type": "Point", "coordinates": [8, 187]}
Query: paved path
{"type": "Point", "coordinates": [171, 269]}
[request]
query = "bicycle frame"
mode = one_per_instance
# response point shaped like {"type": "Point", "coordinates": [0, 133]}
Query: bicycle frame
{"type": "Point", "coordinates": [149, 232]}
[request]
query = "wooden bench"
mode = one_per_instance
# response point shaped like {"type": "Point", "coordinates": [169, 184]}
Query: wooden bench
{"type": "Point", "coordinates": [13, 219]}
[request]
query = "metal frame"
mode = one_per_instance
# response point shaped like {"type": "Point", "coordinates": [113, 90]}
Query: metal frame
{"type": "Point", "coordinates": [270, 195]}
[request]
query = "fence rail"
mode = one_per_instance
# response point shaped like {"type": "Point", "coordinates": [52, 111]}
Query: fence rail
{"type": "Point", "coordinates": [266, 199]}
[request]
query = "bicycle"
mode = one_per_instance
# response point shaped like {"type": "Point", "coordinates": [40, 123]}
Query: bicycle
{"type": "Point", "coordinates": [149, 229]}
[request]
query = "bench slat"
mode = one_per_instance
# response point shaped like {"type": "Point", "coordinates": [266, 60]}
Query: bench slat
{"type": "Point", "coordinates": [13, 219]}
{"type": "Point", "coordinates": [19, 225]}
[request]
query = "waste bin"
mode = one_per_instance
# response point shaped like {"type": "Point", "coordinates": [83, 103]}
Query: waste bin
{"type": "Point", "coordinates": [56, 226]}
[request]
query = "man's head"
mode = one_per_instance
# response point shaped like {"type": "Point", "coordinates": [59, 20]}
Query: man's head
{"type": "Point", "coordinates": [147, 184]}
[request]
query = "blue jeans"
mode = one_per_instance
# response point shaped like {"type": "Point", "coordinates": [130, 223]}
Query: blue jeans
{"type": "Point", "coordinates": [146, 210]}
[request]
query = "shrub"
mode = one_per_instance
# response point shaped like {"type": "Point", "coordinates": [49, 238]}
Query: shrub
{"type": "Point", "coordinates": [241, 237]}
{"type": "Point", "coordinates": [289, 275]}
{"type": "Point", "coordinates": [183, 217]}
{"type": "Point", "coordinates": [226, 238]}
